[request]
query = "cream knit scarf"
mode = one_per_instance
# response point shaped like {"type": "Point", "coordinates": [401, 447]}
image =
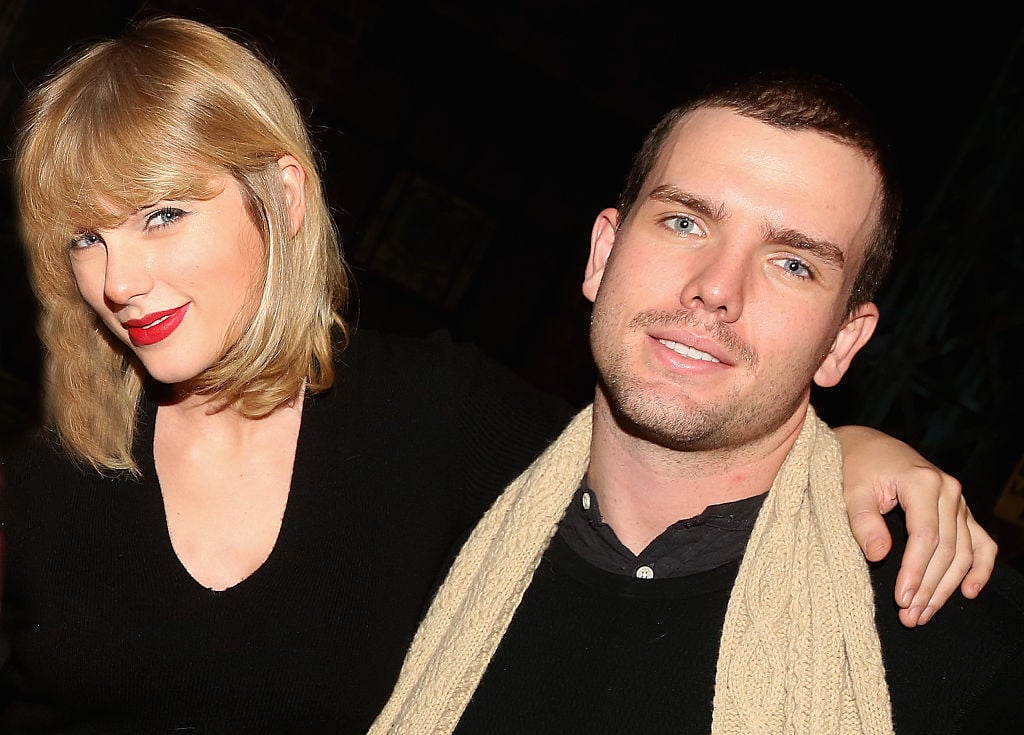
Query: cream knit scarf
{"type": "Point", "coordinates": [799, 651]}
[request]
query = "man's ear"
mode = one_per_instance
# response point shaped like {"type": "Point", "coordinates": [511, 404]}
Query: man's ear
{"type": "Point", "coordinates": [293, 176]}
{"type": "Point", "coordinates": [854, 334]}
{"type": "Point", "coordinates": [602, 238]}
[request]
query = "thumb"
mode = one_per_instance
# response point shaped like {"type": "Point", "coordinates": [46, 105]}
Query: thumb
{"type": "Point", "coordinates": [869, 528]}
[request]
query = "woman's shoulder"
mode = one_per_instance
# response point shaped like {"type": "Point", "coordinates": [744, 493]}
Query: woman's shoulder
{"type": "Point", "coordinates": [34, 447]}
{"type": "Point", "coordinates": [37, 457]}
{"type": "Point", "coordinates": [36, 473]}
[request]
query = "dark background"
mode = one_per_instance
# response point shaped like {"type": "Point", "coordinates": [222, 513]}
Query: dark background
{"type": "Point", "coordinates": [468, 146]}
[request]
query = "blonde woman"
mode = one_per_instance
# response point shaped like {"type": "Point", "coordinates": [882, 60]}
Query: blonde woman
{"type": "Point", "coordinates": [239, 508]}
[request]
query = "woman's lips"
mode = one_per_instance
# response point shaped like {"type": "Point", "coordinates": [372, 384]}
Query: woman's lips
{"type": "Point", "coordinates": [155, 327]}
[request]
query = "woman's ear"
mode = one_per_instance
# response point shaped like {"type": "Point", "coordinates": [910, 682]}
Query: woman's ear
{"type": "Point", "coordinates": [293, 176]}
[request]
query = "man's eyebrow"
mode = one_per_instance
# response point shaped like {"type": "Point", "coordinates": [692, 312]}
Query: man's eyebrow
{"type": "Point", "coordinates": [822, 249]}
{"type": "Point", "coordinates": [825, 250]}
{"type": "Point", "coordinates": [714, 211]}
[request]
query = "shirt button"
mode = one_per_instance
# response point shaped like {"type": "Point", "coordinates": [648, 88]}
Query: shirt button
{"type": "Point", "coordinates": [586, 501]}
{"type": "Point", "coordinates": [644, 572]}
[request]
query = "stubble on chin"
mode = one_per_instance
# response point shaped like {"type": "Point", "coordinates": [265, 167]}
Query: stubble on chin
{"type": "Point", "coordinates": [641, 409]}
{"type": "Point", "coordinates": [667, 415]}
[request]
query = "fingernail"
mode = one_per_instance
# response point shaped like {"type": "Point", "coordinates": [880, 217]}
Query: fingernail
{"type": "Point", "coordinates": [976, 589]}
{"type": "Point", "coordinates": [913, 616]}
{"type": "Point", "coordinates": [907, 597]}
{"type": "Point", "coordinates": [926, 615]}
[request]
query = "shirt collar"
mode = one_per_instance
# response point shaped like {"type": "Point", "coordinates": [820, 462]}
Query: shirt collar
{"type": "Point", "coordinates": [716, 536]}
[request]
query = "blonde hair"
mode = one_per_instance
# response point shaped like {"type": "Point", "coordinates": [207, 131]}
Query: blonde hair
{"type": "Point", "coordinates": [151, 116]}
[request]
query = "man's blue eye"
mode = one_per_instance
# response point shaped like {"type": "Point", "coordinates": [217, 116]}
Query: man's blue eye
{"type": "Point", "coordinates": [684, 225]}
{"type": "Point", "coordinates": [794, 267]}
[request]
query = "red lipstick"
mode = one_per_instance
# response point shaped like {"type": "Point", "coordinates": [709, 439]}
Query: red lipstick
{"type": "Point", "coordinates": [155, 327]}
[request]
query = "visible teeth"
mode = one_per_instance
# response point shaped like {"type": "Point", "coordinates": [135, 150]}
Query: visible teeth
{"type": "Point", "coordinates": [687, 351]}
{"type": "Point", "coordinates": [161, 319]}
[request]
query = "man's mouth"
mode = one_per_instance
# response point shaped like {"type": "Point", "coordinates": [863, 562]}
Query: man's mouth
{"type": "Point", "coordinates": [687, 351]}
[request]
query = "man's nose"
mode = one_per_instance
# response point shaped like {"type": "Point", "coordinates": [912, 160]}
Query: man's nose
{"type": "Point", "coordinates": [716, 282]}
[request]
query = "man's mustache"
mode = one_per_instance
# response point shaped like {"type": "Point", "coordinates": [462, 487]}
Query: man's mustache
{"type": "Point", "coordinates": [721, 333]}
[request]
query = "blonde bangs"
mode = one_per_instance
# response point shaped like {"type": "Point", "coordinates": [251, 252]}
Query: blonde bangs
{"type": "Point", "coordinates": [91, 154]}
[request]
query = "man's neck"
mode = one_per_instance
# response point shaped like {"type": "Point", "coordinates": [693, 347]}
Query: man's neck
{"type": "Point", "coordinates": [644, 487]}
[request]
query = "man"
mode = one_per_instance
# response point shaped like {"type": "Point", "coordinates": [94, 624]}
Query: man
{"type": "Point", "coordinates": [738, 268]}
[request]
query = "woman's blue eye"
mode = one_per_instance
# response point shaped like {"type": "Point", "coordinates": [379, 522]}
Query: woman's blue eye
{"type": "Point", "coordinates": [164, 217]}
{"type": "Point", "coordinates": [85, 240]}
